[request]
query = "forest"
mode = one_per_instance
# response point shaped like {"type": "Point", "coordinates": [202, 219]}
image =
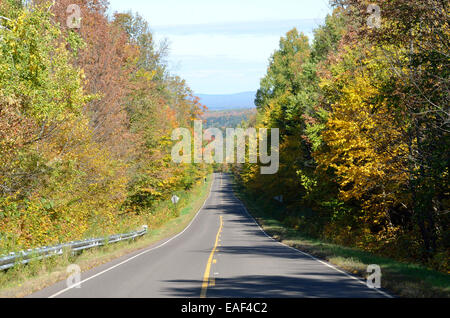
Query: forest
{"type": "Point", "coordinates": [363, 113]}
{"type": "Point", "coordinates": [86, 114]}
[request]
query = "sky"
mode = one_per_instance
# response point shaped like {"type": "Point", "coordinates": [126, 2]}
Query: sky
{"type": "Point", "coordinates": [223, 47]}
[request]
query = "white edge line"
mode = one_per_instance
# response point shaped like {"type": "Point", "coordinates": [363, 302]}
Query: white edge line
{"type": "Point", "coordinates": [309, 255]}
{"type": "Point", "coordinates": [140, 254]}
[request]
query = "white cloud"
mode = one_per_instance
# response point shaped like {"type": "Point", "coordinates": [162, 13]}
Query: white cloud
{"type": "Point", "coordinates": [238, 47]}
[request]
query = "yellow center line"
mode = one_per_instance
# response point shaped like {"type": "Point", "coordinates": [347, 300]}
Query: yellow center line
{"type": "Point", "coordinates": [210, 260]}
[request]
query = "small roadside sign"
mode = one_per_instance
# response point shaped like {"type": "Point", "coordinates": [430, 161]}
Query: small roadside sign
{"type": "Point", "coordinates": [279, 198]}
{"type": "Point", "coordinates": [175, 199]}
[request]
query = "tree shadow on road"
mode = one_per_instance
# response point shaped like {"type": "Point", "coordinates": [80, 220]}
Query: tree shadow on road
{"type": "Point", "coordinates": [275, 286]}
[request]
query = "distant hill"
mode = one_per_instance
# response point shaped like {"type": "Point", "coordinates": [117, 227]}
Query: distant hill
{"type": "Point", "coordinates": [225, 102]}
{"type": "Point", "coordinates": [223, 119]}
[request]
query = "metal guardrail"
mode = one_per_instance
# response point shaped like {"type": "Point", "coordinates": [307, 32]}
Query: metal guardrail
{"type": "Point", "coordinates": [25, 257]}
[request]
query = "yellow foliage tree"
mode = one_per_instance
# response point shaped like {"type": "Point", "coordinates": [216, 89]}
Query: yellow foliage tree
{"type": "Point", "coordinates": [364, 146]}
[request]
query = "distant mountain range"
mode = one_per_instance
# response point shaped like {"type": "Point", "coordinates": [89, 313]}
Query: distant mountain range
{"type": "Point", "coordinates": [225, 102]}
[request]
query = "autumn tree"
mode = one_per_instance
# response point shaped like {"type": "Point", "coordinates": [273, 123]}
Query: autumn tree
{"type": "Point", "coordinates": [85, 121]}
{"type": "Point", "coordinates": [363, 113]}
{"type": "Point", "coordinates": [414, 39]}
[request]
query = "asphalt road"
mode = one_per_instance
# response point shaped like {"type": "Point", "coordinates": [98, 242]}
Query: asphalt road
{"type": "Point", "coordinates": [222, 253]}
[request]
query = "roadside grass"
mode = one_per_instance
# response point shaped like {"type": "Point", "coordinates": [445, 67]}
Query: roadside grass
{"type": "Point", "coordinates": [167, 221]}
{"type": "Point", "coordinates": [400, 279]}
